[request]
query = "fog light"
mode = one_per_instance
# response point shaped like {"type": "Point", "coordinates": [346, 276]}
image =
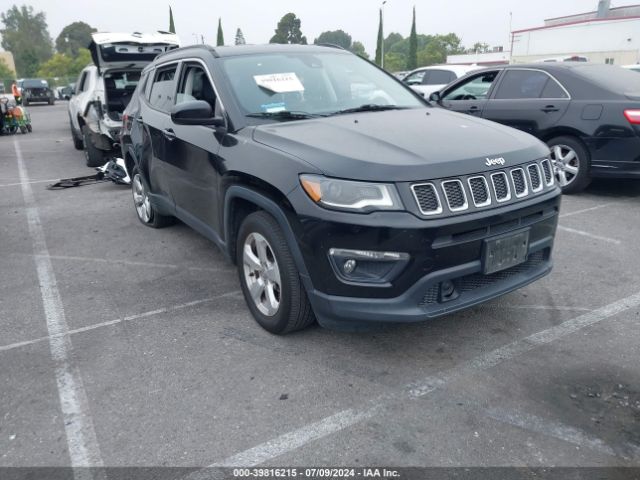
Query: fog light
{"type": "Point", "coordinates": [448, 291]}
{"type": "Point", "coordinates": [349, 266]}
{"type": "Point", "coordinates": [364, 266]}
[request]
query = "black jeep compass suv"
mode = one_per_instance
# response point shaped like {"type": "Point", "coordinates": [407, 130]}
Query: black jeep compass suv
{"type": "Point", "coordinates": [340, 194]}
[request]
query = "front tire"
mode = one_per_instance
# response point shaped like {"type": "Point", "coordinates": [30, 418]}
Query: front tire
{"type": "Point", "coordinates": [94, 157]}
{"type": "Point", "coordinates": [78, 143]}
{"type": "Point", "coordinates": [571, 163]}
{"type": "Point", "coordinates": [269, 277]}
{"type": "Point", "coordinates": [146, 212]}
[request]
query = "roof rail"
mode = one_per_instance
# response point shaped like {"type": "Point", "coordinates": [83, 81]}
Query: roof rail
{"type": "Point", "coordinates": [191, 47]}
{"type": "Point", "coordinates": [330, 45]}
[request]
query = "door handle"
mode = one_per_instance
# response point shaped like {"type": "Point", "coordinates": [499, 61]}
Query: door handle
{"type": "Point", "coordinates": [473, 109]}
{"type": "Point", "coordinates": [169, 134]}
{"type": "Point", "coordinates": [550, 108]}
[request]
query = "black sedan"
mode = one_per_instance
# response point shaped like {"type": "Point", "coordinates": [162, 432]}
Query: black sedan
{"type": "Point", "coordinates": [588, 114]}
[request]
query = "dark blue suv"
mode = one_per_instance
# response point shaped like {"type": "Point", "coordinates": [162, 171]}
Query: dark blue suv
{"type": "Point", "coordinates": [340, 194]}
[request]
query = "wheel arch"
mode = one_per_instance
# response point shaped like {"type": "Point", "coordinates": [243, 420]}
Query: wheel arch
{"type": "Point", "coordinates": [563, 132]}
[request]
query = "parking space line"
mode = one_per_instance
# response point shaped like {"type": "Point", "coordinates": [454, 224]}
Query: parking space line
{"type": "Point", "coordinates": [346, 418]}
{"type": "Point", "coordinates": [589, 235]}
{"type": "Point", "coordinates": [30, 182]}
{"type": "Point", "coordinates": [138, 264]}
{"type": "Point", "coordinates": [82, 442]}
{"type": "Point", "coordinates": [584, 210]}
{"type": "Point", "coordinates": [560, 308]}
{"type": "Point", "coordinates": [117, 321]}
{"type": "Point", "coordinates": [558, 430]}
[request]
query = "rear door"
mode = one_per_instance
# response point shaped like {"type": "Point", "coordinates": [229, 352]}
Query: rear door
{"type": "Point", "coordinates": [530, 100]}
{"type": "Point", "coordinates": [192, 160]}
{"type": "Point", "coordinates": [470, 94]}
{"type": "Point", "coordinates": [155, 116]}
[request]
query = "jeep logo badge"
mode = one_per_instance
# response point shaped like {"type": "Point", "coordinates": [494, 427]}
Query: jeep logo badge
{"type": "Point", "coordinates": [494, 161]}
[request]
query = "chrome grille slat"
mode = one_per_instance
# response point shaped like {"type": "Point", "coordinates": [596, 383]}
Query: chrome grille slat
{"type": "Point", "coordinates": [427, 197]}
{"type": "Point", "coordinates": [535, 177]}
{"type": "Point", "coordinates": [548, 173]}
{"type": "Point", "coordinates": [519, 179]}
{"type": "Point", "coordinates": [455, 195]}
{"type": "Point", "coordinates": [479, 191]}
{"type": "Point", "coordinates": [501, 187]}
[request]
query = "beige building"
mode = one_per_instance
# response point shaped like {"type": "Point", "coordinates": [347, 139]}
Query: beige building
{"type": "Point", "coordinates": [7, 57]}
{"type": "Point", "coordinates": [607, 35]}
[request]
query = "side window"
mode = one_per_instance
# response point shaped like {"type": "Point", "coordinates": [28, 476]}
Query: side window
{"type": "Point", "coordinates": [553, 90]}
{"type": "Point", "coordinates": [80, 87]}
{"type": "Point", "coordinates": [474, 88]}
{"type": "Point", "coordinates": [440, 77]}
{"type": "Point", "coordinates": [415, 78]}
{"type": "Point", "coordinates": [195, 85]}
{"type": "Point", "coordinates": [519, 84]}
{"type": "Point", "coordinates": [163, 88]}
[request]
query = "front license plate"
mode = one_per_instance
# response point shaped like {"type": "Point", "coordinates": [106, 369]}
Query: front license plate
{"type": "Point", "coordinates": [505, 252]}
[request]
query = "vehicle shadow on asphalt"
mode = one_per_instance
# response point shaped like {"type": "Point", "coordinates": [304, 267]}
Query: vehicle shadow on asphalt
{"type": "Point", "coordinates": [614, 188]}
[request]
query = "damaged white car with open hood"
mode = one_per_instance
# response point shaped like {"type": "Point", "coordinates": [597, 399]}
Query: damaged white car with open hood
{"type": "Point", "coordinates": [104, 89]}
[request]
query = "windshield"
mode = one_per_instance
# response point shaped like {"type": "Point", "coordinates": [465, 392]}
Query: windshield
{"type": "Point", "coordinates": [311, 83]}
{"type": "Point", "coordinates": [35, 83]}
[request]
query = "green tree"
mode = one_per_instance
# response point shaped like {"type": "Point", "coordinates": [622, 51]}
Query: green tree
{"type": "Point", "coordinates": [335, 37]}
{"type": "Point", "coordinates": [172, 26]}
{"type": "Point", "coordinates": [60, 65]}
{"type": "Point", "coordinates": [438, 47]}
{"type": "Point", "coordinates": [240, 38]}
{"type": "Point", "coordinates": [478, 47]}
{"type": "Point", "coordinates": [392, 40]}
{"type": "Point", "coordinates": [80, 61]}
{"type": "Point", "coordinates": [395, 62]}
{"type": "Point", "coordinates": [380, 42]}
{"type": "Point", "coordinates": [6, 74]}
{"type": "Point", "coordinates": [288, 31]}
{"type": "Point", "coordinates": [412, 60]}
{"type": "Point", "coordinates": [220, 38]}
{"type": "Point", "coordinates": [74, 37]}
{"type": "Point", "coordinates": [358, 49]}
{"type": "Point", "coordinates": [26, 35]}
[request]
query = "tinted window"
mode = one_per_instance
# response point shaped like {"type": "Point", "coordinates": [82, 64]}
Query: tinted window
{"type": "Point", "coordinates": [163, 88]}
{"type": "Point", "coordinates": [518, 84]}
{"type": "Point", "coordinates": [439, 77]}
{"type": "Point", "coordinates": [615, 79]}
{"type": "Point", "coordinates": [35, 83]}
{"type": "Point", "coordinates": [195, 85]}
{"type": "Point", "coordinates": [474, 88]}
{"type": "Point", "coordinates": [553, 90]}
{"type": "Point", "coordinates": [82, 82]}
{"type": "Point", "coordinates": [415, 78]}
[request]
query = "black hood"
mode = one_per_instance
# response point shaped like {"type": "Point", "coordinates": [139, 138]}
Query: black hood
{"type": "Point", "coordinates": [402, 145]}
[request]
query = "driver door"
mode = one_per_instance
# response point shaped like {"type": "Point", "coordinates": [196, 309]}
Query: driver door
{"type": "Point", "coordinates": [470, 94]}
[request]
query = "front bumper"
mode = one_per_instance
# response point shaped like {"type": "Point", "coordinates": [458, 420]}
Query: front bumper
{"type": "Point", "coordinates": [448, 249]}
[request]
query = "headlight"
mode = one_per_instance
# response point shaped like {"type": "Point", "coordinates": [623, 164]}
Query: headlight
{"type": "Point", "coordinates": [349, 195]}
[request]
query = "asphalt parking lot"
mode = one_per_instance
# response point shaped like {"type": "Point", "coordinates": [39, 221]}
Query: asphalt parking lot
{"type": "Point", "coordinates": [121, 345]}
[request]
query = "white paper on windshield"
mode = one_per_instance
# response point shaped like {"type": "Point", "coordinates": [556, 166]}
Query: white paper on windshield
{"type": "Point", "coordinates": [280, 82]}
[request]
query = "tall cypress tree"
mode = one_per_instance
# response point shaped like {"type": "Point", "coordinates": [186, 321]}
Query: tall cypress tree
{"type": "Point", "coordinates": [172, 27]}
{"type": "Point", "coordinates": [379, 46]}
{"type": "Point", "coordinates": [412, 61]}
{"type": "Point", "coordinates": [220, 41]}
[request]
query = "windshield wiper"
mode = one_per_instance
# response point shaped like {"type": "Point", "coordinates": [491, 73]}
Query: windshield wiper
{"type": "Point", "coordinates": [369, 107]}
{"type": "Point", "coordinates": [284, 115]}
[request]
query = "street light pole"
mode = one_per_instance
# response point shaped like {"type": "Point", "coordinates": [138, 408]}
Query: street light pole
{"type": "Point", "coordinates": [382, 30]}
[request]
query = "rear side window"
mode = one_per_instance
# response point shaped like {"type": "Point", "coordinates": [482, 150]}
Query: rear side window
{"type": "Point", "coordinates": [82, 83]}
{"type": "Point", "coordinates": [163, 88]}
{"type": "Point", "coordinates": [615, 79]}
{"type": "Point", "coordinates": [439, 77]}
{"type": "Point", "coordinates": [518, 84]}
{"type": "Point", "coordinates": [553, 90]}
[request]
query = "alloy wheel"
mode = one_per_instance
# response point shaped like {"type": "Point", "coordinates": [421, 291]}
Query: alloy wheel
{"type": "Point", "coordinates": [141, 199]}
{"type": "Point", "coordinates": [566, 164]}
{"type": "Point", "coordinates": [262, 274]}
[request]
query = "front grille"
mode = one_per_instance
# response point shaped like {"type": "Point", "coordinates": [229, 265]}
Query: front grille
{"type": "Point", "coordinates": [427, 197]}
{"type": "Point", "coordinates": [476, 281]}
{"type": "Point", "coordinates": [456, 198]}
{"type": "Point", "coordinates": [501, 186]}
{"type": "Point", "coordinates": [548, 175]}
{"type": "Point", "coordinates": [534, 177]}
{"type": "Point", "coordinates": [519, 182]}
{"type": "Point", "coordinates": [468, 193]}
{"type": "Point", "coordinates": [479, 191]}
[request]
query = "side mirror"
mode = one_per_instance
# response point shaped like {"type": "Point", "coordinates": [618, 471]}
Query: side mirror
{"type": "Point", "coordinates": [196, 112]}
{"type": "Point", "coordinates": [435, 97]}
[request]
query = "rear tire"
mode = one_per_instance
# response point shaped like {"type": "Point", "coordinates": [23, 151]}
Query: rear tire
{"type": "Point", "coordinates": [571, 163]}
{"type": "Point", "coordinates": [94, 156]}
{"type": "Point", "coordinates": [146, 212]}
{"type": "Point", "coordinates": [269, 277]}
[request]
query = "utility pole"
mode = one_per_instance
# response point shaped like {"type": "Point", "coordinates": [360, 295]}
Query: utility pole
{"type": "Point", "coordinates": [382, 29]}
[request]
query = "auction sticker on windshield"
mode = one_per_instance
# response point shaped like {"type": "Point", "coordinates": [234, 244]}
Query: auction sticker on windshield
{"type": "Point", "coordinates": [280, 82]}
